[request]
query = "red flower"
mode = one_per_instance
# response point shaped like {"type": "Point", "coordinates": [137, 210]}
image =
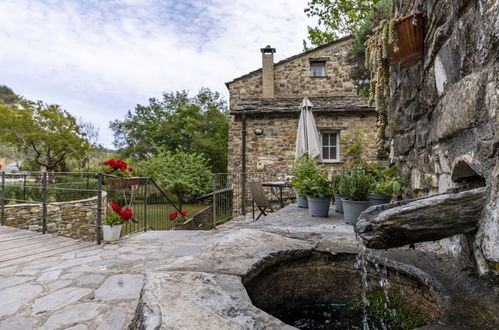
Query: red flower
{"type": "Point", "coordinates": [116, 208]}
{"type": "Point", "coordinates": [126, 214]}
{"type": "Point", "coordinates": [130, 169]}
{"type": "Point", "coordinates": [184, 213]}
{"type": "Point", "coordinates": [172, 216]}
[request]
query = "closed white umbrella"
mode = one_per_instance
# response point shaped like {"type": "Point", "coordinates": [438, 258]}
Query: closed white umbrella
{"type": "Point", "coordinates": [307, 139]}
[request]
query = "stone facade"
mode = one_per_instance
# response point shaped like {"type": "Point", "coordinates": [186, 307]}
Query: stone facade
{"type": "Point", "coordinates": [274, 150]}
{"type": "Point", "coordinates": [443, 117]}
{"type": "Point", "coordinates": [336, 108]}
{"type": "Point", "coordinates": [74, 219]}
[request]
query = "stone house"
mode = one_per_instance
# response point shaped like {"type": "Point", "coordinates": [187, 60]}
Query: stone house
{"type": "Point", "coordinates": [264, 110]}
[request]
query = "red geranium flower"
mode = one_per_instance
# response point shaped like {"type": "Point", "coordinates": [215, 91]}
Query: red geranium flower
{"type": "Point", "coordinates": [172, 216]}
{"type": "Point", "coordinates": [130, 169]}
{"type": "Point", "coordinates": [126, 214]}
{"type": "Point", "coordinates": [184, 213]}
{"type": "Point", "coordinates": [116, 208]}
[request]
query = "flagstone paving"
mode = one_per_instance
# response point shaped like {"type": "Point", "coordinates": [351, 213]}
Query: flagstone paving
{"type": "Point", "coordinates": [93, 287]}
{"type": "Point", "coordinates": [98, 287]}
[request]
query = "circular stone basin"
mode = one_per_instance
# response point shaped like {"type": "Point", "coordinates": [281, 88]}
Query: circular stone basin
{"type": "Point", "coordinates": [319, 290]}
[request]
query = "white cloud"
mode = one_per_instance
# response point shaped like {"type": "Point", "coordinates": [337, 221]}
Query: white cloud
{"type": "Point", "coordinates": [98, 59]}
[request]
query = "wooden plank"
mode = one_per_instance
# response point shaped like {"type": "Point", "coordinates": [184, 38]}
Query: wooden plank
{"type": "Point", "coordinates": [36, 246]}
{"type": "Point", "coordinates": [23, 241]}
{"type": "Point", "coordinates": [36, 249]}
{"type": "Point", "coordinates": [45, 254]}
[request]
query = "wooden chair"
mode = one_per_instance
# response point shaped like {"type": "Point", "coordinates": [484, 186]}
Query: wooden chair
{"type": "Point", "coordinates": [259, 198]}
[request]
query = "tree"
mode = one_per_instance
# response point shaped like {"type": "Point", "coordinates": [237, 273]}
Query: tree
{"type": "Point", "coordinates": [181, 173]}
{"type": "Point", "coordinates": [198, 124]}
{"type": "Point", "coordinates": [7, 96]}
{"type": "Point", "coordinates": [354, 17]}
{"type": "Point", "coordinates": [49, 133]}
{"type": "Point", "coordinates": [336, 18]}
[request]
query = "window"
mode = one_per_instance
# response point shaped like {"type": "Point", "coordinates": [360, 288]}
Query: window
{"type": "Point", "coordinates": [330, 146]}
{"type": "Point", "coordinates": [318, 69]}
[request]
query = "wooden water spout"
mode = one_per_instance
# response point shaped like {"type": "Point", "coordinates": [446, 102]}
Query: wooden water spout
{"type": "Point", "coordinates": [419, 220]}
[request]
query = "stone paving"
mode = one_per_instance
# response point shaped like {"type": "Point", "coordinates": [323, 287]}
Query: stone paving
{"type": "Point", "coordinates": [96, 287]}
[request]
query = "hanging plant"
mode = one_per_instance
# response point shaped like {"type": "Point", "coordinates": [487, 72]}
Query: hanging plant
{"type": "Point", "coordinates": [377, 63]}
{"type": "Point", "coordinates": [382, 49]}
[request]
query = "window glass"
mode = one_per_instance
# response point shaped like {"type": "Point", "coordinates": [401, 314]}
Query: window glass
{"type": "Point", "coordinates": [330, 147]}
{"type": "Point", "coordinates": [317, 69]}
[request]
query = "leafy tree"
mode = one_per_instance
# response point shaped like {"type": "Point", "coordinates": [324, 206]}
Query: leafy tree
{"type": "Point", "coordinates": [7, 96]}
{"type": "Point", "coordinates": [49, 133]}
{"type": "Point", "coordinates": [181, 173]}
{"type": "Point", "coordinates": [336, 18]}
{"type": "Point", "coordinates": [198, 124]}
{"type": "Point", "coordinates": [342, 17]}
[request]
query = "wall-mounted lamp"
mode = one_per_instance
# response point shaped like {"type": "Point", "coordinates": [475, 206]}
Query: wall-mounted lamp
{"type": "Point", "coordinates": [258, 131]}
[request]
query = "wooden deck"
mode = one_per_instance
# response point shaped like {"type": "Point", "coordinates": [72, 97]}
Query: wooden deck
{"type": "Point", "coordinates": [18, 246]}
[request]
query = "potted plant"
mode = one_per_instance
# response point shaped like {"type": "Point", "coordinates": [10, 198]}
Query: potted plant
{"type": "Point", "coordinates": [178, 218]}
{"type": "Point", "coordinates": [114, 221]}
{"type": "Point", "coordinates": [304, 168]}
{"type": "Point", "coordinates": [337, 194]}
{"type": "Point", "coordinates": [409, 31]}
{"type": "Point", "coordinates": [385, 186]}
{"type": "Point", "coordinates": [355, 188]}
{"type": "Point", "coordinates": [319, 191]}
{"type": "Point", "coordinates": [121, 172]}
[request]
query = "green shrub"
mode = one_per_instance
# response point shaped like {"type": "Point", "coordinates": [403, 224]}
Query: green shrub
{"type": "Point", "coordinates": [386, 183]}
{"type": "Point", "coordinates": [356, 185]}
{"type": "Point", "coordinates": [304, 168]}
{"type": "Point", "coordinates": [317, 186]}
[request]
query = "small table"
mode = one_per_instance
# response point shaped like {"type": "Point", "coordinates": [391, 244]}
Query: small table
{"type": "Point", "coordinates": [277, 185]}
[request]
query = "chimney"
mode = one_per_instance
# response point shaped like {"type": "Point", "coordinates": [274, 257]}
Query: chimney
{"type": "Point", "coordinates": [268, 71]}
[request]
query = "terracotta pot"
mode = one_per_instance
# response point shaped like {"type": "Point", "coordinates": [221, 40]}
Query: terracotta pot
{"type": "Point", "coordinates": [409, 31]}
{"type": "Point", "coordinates": [122, 183]}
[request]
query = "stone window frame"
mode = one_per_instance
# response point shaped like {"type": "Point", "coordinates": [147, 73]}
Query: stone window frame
{"type": "Point", "coordinates": [336, 131]}
{"type": "Point", "coordinates": [320, 61]}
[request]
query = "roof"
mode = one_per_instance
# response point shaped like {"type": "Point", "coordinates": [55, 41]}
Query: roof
{"type": "Point", "coordinates": [292, 58]}
{"type": "Point", "coordinates": [329, 104]}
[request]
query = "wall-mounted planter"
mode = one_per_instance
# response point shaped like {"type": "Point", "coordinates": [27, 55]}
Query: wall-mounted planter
{"type": "Point", "coordinates": [409, 31]}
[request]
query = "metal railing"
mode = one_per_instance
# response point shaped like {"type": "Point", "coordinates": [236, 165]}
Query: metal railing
{"type": "Point", "coordinates": [75, 204]}
{"type": "Point", "coordinates": [232, 198]}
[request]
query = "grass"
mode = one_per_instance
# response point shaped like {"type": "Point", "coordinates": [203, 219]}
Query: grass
{"type": "Point", "coordinates": [157, 216]}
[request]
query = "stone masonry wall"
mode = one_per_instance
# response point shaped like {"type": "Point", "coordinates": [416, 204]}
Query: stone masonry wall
{"type": "Point", "coordinates": [274, 151]}
{"type": "Point", "coordinates": [292, 78]}
{"type": "Point", "coordinates": [74, 219]}
{"type": "Point", "coordinates": [445, 109]}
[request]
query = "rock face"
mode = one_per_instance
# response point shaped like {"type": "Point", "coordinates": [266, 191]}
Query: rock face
{"type": "Point", "coordinates": [427, 219]}
{"type": "Point", "coordinates": [446, 107]}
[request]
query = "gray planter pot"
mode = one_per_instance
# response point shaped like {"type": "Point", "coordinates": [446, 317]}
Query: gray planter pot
{"type": "Point", "coordinates": [379, 199]}
{"type": "Point", "coordinates": [318, 207]}
{"type": "Point", "coordinates": [338, 203]}
{"type": "Point", "coordinates": [301, 201]}
{"type": "Point", "coordinates": [352, 210]}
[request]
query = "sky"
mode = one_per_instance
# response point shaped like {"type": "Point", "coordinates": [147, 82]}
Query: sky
{"type": "Point", "coordinates": [100, 58]}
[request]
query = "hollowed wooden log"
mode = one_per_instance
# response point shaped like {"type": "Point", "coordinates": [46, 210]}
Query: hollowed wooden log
{"type": "Point", "coordinates": [425, 219]}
